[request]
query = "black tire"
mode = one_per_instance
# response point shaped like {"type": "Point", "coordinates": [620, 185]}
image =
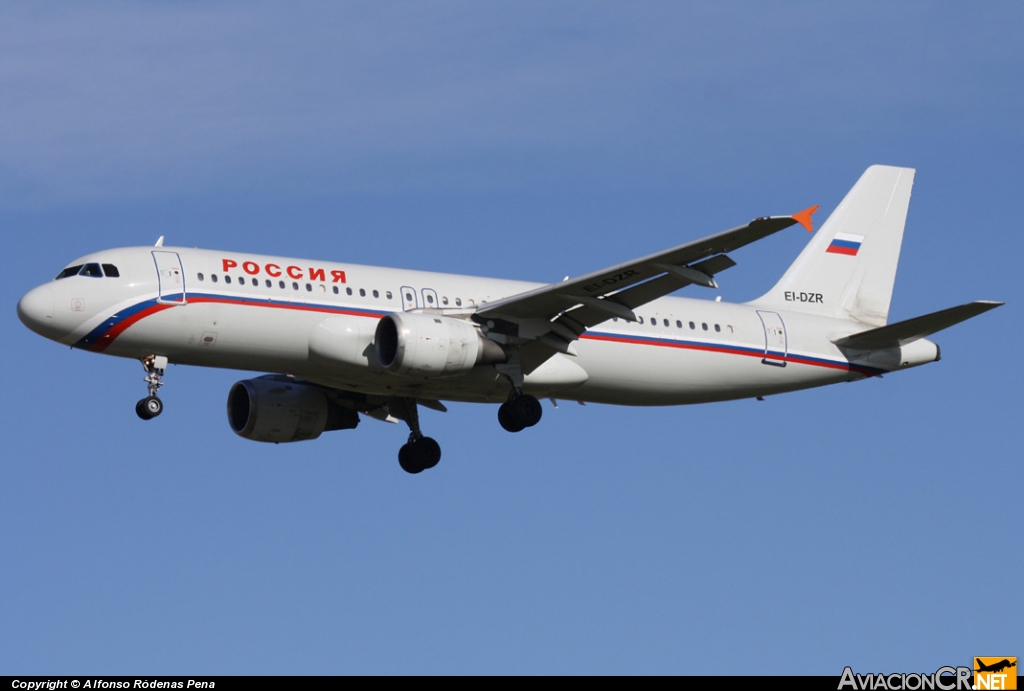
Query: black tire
{"type": "Point", "coordinates": [527, 410]}
{"type": "Point", "coordinates": [407, 460]}
{"type": "Point", "coordinates": [140, 410]}
{"type": "Point", "coordinates": [507, 419]}
{"type": "Point", "coordinates": [153, 406]}
{"type": "Point", "coordinates": [427, 452]}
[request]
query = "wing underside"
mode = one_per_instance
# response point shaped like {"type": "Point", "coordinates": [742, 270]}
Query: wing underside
{"type": "Point", "coordinates": [547, 320]}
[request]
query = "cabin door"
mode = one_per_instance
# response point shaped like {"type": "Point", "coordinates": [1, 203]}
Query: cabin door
{"type": "Point", "coordinates": [170, 276]}
{"type": "Point", "coordinates": [775, 346]}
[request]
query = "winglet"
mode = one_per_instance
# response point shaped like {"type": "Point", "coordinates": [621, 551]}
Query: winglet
{"type": "Point", "coordinates": [804, 218]}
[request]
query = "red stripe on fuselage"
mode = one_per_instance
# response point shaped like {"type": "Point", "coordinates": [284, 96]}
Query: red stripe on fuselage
{"type": "Point", "coordinates": [104, 341]}
{"type": "Point", "coordinates": [685, 346]}
{"type": "Point", "coordinates": [284, 306]}
{"type": "Point", "coordinates": [796, 359]}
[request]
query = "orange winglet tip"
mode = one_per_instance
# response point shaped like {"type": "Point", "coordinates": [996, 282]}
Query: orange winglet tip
{"type": "Point", "coordinates": [804, 218]}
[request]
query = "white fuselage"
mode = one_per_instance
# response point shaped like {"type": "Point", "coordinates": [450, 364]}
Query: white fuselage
{"type": "Point", "coordinates": [316, 320]}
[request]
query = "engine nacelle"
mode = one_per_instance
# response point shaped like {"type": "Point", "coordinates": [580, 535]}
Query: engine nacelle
{"type": "Point", "coordinates": [432, 346]}
{"type": "Point", "coordinates": [276, 409]}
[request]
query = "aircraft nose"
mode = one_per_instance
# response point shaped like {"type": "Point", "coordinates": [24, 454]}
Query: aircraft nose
{"type": "Point", "coordinates": [35, 309]}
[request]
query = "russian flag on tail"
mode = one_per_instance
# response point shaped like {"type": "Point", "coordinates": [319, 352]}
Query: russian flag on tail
{"type": "Point", "coordinates": [845, 243]}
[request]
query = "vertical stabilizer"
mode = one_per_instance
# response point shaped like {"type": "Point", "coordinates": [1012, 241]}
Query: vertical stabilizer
{"type": "Point", "coordinates": [848, 269]}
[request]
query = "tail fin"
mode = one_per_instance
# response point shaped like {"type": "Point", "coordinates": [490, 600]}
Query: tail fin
{"type": "Point", "coordinates": [848, 269]}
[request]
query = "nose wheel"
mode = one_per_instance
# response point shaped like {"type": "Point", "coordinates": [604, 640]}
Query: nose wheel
{"type": "Point", "coordinates": [151, 406]}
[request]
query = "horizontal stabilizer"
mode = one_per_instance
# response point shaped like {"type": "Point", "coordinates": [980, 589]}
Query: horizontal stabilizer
{"type": "Point", "coordinates": [904, 332]}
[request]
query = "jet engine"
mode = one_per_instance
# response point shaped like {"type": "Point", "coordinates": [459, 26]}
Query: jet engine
{"type": "Point", "coordinates": [432, 346]}
{"type": "Point", "coordinates": [277, 409]}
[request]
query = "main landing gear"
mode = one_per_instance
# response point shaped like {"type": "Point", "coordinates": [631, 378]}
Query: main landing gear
{"type": "Point", "coordinates": [151, 406]}
{"type": "Point", "coordinates": [419, 453]}
{"type": "Point", "coordinates": [519, 412]}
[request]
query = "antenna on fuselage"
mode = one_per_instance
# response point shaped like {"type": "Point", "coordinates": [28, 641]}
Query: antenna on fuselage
{"type": "Point", "coordinates": [159, 242]}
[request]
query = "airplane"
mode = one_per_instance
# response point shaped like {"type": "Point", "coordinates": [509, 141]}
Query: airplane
{"type": "Point", "coordinates": [994, 667]}
{"type": "Point", "coordinates": [342, 340]}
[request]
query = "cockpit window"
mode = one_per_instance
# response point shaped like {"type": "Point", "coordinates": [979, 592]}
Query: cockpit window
{"type": "Point", "coordinates": [111, 271]}
{"type": "Point", "coordinates": [70, 271]}
{"type": "Point", "coordinates": [91, 270]}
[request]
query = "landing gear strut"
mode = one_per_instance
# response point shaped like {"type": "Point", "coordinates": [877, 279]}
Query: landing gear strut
{"type": "Point", "coordinates": [419, 453]}
{"type": "Point", "coordinates": [151, 406]}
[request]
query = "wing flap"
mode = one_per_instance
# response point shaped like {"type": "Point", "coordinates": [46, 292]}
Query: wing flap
{"type": "Point", "coordinates": [640, 295]}
{"type": "Point", "coordinates": [910, 330]}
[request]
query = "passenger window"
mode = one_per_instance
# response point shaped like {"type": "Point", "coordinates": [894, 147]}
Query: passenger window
{"type": "Point", "coordinates": [470, 302]}
{"type": "Point", "coordinates": [388, 295]}
{"type": "Point", "coordinates": [362, 293]}
{"type": "Point", "coordinates": [704, 326]}
{"type": "Point", "coordinates": [692, 325]}
{"type": "Point", "coordinates": [430, 299]}
{"type": "Point", "coordinates": [323, 288]}
{"type": "Point", "coordinates": [70, 271]}
{"type": "Point", "coordinates": [376, 294]}
{"type": "Point", "coordinates": [641, 319]}
{"type": "Point", "coordinates": [227, 279]}
{"type": "Point", "coordinates": [666, 322]}
{"type": "Point", "coordinates": [444, 300]}
{"type": "Point", "coordinates": [200, 277]}
{"type": "Point", "coordinates": [270, 284]}
{"type": "Point", "coordinates": [717, 328]}
{"type": "Point", "coordinates": [458, 302]}
{"type": "Point", "coordinates": [335, 290]}
{"type": "Point", "coordinates": [111, 271]}
{"type": "Point", "coordinates": [309, 288]}
{"type": "Point", "coordinates": [213, 277]}
{"type": "Point", "coordinates": [679, 324]}
{"type": "Point", "coordinates": [408, 297]}
{"type": "Point", "coordinates": [91, 270]}
{"type": "Point", "coordinates": [295, 285]}
{"type": "Point", "coordinates": [256, 282]}
{"type": "Point", "coordinates": [280, 284]}
{"type": "Point", "coordinates": [729, 328]}
{"type": "Point", "coordinates": [348, 291]}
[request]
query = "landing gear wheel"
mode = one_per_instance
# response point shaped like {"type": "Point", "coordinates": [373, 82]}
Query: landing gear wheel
{"type": "Point", "coordinates": [427, 451]}
{"type": "Point", "coordinates": [149, 407]}
{"type": "Point", "coordinates": [419, 454]}
{"type": "Point", "coordinates": [407, 462]}
{"type": "Point", "coordinates": [508, 420]}
{"type": "Point", "coordinates": [527, 410]}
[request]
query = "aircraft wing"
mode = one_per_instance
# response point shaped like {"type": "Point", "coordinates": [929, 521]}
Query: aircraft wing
{"type": "Point", "coordinates": [558, 313]}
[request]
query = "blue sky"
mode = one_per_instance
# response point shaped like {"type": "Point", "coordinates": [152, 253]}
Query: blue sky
{"type": "Point", "coordinates": [870, 524]}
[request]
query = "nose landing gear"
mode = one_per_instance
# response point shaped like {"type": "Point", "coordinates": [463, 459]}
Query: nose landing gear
{"type": "Point", "coordinates": [151, 406]}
